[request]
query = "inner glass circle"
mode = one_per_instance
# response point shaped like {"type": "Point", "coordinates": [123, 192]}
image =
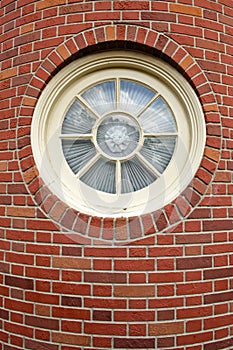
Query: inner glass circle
{"type": "Point", "coordinates": [118, 135]}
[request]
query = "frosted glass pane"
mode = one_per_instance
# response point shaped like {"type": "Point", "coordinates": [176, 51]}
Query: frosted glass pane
{"type": "Point", "coordinates": [158, 118]}
{"type": "Point", "coordinates": [118, 136]}
{"type": "Point", "coordinates": [78, 120]}
{"type": "Point", "coordinates": [101, 97]}
{"type": "Point", "coordinates": [77, 153]}
{"type": "Point", "coordinates": [134, 96]}
{"type": "Point", "coordinates": [135, 176]}
{"type": "Point", "coordinates": [101, 176]}
{"type": "Point", "coordinates": [158, 151]}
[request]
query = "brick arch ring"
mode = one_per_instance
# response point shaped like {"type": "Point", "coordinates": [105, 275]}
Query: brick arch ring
{"type": "Point", "coordinates": [84, 229]}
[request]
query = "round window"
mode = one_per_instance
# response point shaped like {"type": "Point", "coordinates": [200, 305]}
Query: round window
{"type": "Point", "coordinates": [118, 134]}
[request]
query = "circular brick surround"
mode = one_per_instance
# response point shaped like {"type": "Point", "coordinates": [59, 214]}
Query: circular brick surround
{"type": "Point", "coordinates": [121, 230]}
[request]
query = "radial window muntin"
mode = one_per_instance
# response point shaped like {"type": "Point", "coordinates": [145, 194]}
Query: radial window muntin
{"type": "Point", "coordinates": [70, 84]}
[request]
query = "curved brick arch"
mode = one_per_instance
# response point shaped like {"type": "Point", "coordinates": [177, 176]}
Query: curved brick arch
{"type": "Point", "coordinates": [121, 231]}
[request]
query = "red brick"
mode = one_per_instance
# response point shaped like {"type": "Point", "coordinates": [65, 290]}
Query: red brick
{"type": "Point", "coordinates": [134, 343]}
{"type": "Point", "coordinates": [193, 250]}
{"type": "Point", "coordinates": [194, 288]}
{"type": "Point", "coordinates": [37, 272]}
{"type": "Point", "coordinates": [18, 305]}
{"type": "Point", "coordinates": [24, 283]}
{"type": "Point", "coordinates": [165, 251]}
{"type": "Point", "coordinates": [42, 322]}
{"type": "Point", "coordinates": [216, 322]}
{"type": "Point", "coordinates": [195, 338]}
{"type": "Point", "coordinates": [105, 303]}
{"type": "Point", "coordinates": [218, 248]}
{"type": "Point", "coordinates": [20, 258]}
{"type": "Point", "coordinates": [194, 326]}
{"type": "Point", "coordinates": [221, 344]}
{"type": "Point", "coordinates": [42, 4]}
{"type": "Point", "coordinates": [66, 338]}
{"type": "Point", "coordinates": [165, 277]}
{"type": "Point", "coordinates": [165, 315]}
{"type": "Point", "coordinates": [193, 263]}
{"type": "Point", "coordinates": [103, 342]}
{"type": "Point", "coordinates": [102, 5]}
{"type": "Point", "coordinates": [100, 264]}
{"type": "Point", "coordinates": [37, 345]}
{"type": "Point", "coordinates": [165, 290]}
{"type": "Point", "coordinates": [218, 273]}
{"type": "Point", "coordinates": [193, 239]}
{"type": "Point", "coordinates": [71, 288]}
{"type": "Point", "coordinates": [160, 328]}
{"type": "Point", "coordinates": [47, 249]}
{"type": "Point", "coordinates": [197, 312]}
{"type": "Point", "coordinates": [102, 315]}
{"type": "Point", "coordinates": [134, 265]}
{"type": "Point", "coordinates": [41, 225]}
{"type": "Point", "coordinates": [72, 263]}
{"type": "Point", "coordinates": [71, 251]}
{"type": "Point", "coordinates": [74, 313]}
{"type": "Point", "coordinates": [5, 74]}
{"type": "Point", "coordinates": [162, 16]}
{"type": "Point", "coordinates": [100, 328]}
{"type": "Point", "coordinates": [134, 316]}
{"type": "Point", "coordinates": [105, 252]}
{"type": "Point", "coordinates": [220, 285]}
{"type": "Point", "coordinates": [135, 228]}
{"type": "Point", "coordinates": [96, 16]}
{"type": "Point", "coordinates": [189, 10]}
{"type": "Point", "coordinates": [64, 10]}
{"type": "Point", "coordinates": [105, 277]}
{"type": "Point", "coordinates": [71, 326]}
{"type": "Point", "coordinates": [95, 227]}
{"type": "Point", "coordinates": [42, 298]}
{"type": "Point", "coordinates": [165, 264]}
{"type": "Point", "coordinates": [134, 291]}
{"type": "Point", "coordinates": [19, 329]}
{"type": "Point", "coordinates": [71, 301]}
{"type": "Point", "coordinates": [165, 342]}
{"type": "Point", "coordinates": [218, 297]}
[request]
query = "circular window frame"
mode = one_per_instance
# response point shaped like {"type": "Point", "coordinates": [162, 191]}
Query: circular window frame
{"type": "Point", "coordinates": [62, 87]}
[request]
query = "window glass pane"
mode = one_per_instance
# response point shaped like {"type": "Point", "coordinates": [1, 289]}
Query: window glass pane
{"type": "Point", "coordinates": [101, 176]}
{"type": "Point", "coordinates": [135, 176]}
{"type": "Point", "coordinates": [158, 118]}
{"type": "Point", "coordinates": [101, 97]}
{"type": "Point", "coordinates": [78, 120]}
{"type": "Point", "coordinates": [158, 151]}
{"type": "Point", "coordinates": [133, 96]}
{"type": "Point", "coordinates": [77, 153]}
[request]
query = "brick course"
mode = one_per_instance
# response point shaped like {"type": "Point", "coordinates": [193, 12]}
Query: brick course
{"type": "Point", "coordinates": [70, 281]}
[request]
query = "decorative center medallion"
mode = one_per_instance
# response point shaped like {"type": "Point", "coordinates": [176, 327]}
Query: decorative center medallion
{"type": "Point", "coordinates": [118, 135]}
{"type": "Point", "coordinates": [117, 138]}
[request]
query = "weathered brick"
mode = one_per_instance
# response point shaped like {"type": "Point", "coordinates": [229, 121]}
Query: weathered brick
{"type": "Point", "coordinates": [162, 328]}
{"type": "Point", "coordinates": [24, 283]}
{"type": "Point", "coordinates": [134, 343]}
{"type": "Point", "coordinates": [193, 263]}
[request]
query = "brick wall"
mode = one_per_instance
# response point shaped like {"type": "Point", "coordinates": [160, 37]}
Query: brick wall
{"type": "Point", "coordinates": [166, 283]}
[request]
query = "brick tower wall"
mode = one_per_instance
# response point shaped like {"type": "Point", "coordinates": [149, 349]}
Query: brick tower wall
{"type": "Point", "coordinates": [167, 282]}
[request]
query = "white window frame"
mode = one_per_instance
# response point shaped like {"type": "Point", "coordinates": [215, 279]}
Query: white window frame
{"type": "Point", "coordinates": [60, 93]}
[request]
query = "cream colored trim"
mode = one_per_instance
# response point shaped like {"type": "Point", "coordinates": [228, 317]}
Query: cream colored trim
{"type": "Point", "coordinates": [59, 94]}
